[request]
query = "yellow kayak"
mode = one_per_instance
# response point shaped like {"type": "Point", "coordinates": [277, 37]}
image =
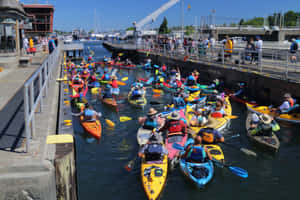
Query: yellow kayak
{"type": "Point", "coordinates": [192, 96]}
{"type": "Point", "coordinates": [216, 152]}
{"type": "Point", "coordinates": [219, 123]}
{"type": "Point", "coordinates": [140, 102]}
{"type": "Point", "coordinates": [154, 176]}
{"type": "Point", "coordinates": [293, 118]}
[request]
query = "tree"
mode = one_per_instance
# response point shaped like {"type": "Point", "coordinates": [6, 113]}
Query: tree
{"type": "Point", "coordinates": [130, 28]}
{"type": "Point", "coordinates": [189, 30]}
{"type": "Point", "coordinates": [241, 22]}
{"type": "Point", "coordinates": [163, 29]}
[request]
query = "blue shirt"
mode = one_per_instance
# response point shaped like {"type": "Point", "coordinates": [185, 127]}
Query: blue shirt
{"type": "Point", "coordinates": [51, 44]}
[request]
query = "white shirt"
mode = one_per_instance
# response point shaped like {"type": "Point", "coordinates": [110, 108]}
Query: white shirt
{"type": "Point", "coordinates": [285, 106]}
{"type": "Point", "coordinates": [259, 45]}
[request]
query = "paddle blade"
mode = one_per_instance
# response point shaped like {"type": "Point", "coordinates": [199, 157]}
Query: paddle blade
{"type": "Point", "coordinates": [110, 123]}
{"type": "Point", "coordinates": [156, 90]}
{"type": "Point", "coordinates": [239, 171]}
{"type": "Point", "coordinates": [177, 146]}
{"type": "Point", "coordinates": [124, 118]}
{"type": "Point", "coordinates": [95, 90]}
{"type": "Point", "coordinates": [124, 79]}
{"type": "Point", "coordinates": [233, 116]}
{"type": "Point", "coordinates": [121, 83]}
{"type": "Point", "coordinates": [156, 95]}
{"type": "Point", "coordinates": [248, 152]}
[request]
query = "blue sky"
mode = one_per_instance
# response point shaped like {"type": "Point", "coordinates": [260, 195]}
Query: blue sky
{"type": "Point", "coordinates": [119, 14]}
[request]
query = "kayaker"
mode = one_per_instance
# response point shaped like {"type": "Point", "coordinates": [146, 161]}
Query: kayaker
{"type": "Point", "coordinates": [190, 80]}
{"type": "Point", "coordinates": [114, 86]}
{"type": "Point", "coordinates": [105, 76]}
{"type": "Point", "coordinates": [174, 124]}
{"type": "Point", "coordinates": [198, 119]}
{"type": "Point", "coordinates": [164, 68]}
{"type": "Point", "coordinates": [90, 59]}
{"type": "Point", "coordinates": [107, 93]}
{"type": "Point", "coordinates": [196, 153]}
{"type": "Point", "coordinates": [151, 121]}
{"type": "Point", "coordinates": [89, 114]}
{"type": "Point", "coordinates": [154, 150]}
{"type": "Point", "coordinates": [105, 59]}
{"type": "Point", "coordinates": [137, 92]}
{"type": "Point", "coordinates": [137, 83]}
{"type": "Point", "coordinates": [265, 126]}
{"type": "Point", "coordinates": [218, 110]}
{"type": "Point", "coordinates": [214, 84]}
{"type": "Point", "coordinates": [209, 134]}
{"type": "Point", "coordinates": [241, 93]}
{"type": "Point", "coordinates": [178, 101]}
{"type": "Point", "coordinates": [286, 105]}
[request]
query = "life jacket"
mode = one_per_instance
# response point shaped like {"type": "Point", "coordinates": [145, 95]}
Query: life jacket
{"type": "Point", "coordinates": [114, 84]}
{"type": "Point", "coordinates": [208, 136]}
{"type": "Point", "coordinates": [178, 101]}
{"type": "Point", "coordinates": [106, 77]}
{"type": "Point", "coordinates": [150, 123]}
{"type": "Point", "coordinates": [135, 93]}
{"type": "Point", "coordinates": [179, 84]}
{"type": "Point", "coordinates": [174, 126]}
{"type": "Point", "coordinates": [154, 152]}
{"type": "Point", "coordinates": [163, 68]}
{"type": "Point", "coordinates": [197, 154]}
{"type": "Point", "coordinates": [291, 102]}
{"type": "Point", "coordinates": [88, 114]}
{"type": "Point", "coordinates": [217, 115]}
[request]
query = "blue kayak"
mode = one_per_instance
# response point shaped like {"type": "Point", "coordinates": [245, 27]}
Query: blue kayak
{"type": "Point", "coordinates": [198, 173]}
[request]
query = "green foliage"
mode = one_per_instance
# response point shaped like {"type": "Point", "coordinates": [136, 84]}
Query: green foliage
{"type": "Point", "coordinates": [163, 29]}
{"type": "Point", "coordinates": [130, 28]}
{"type": "Point", "coordinates": [256, 21]}
{"type": "Point", "coordinates": [189, 30]}
{"type": "Point", "coordinates": [241, 22]}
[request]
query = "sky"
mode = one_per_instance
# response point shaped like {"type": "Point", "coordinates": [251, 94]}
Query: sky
{"type": "Point", "coordinates": [110, 15]}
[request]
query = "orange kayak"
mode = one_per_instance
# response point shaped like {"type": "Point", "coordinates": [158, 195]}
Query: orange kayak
{"type": "Point", "coordinates": [111, 102]}
{"type": "Point", "coordinates": [93, 128]}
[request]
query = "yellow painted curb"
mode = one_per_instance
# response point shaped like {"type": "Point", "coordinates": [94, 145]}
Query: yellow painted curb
{"type": "Point", "coordinates": [58, 139]}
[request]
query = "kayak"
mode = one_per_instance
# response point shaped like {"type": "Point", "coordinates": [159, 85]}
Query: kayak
{"type": "Point", "coordinates": [154, 175]}
{"type": "Point", "coordinates": [237, 99]}
{"type": "Point", "coordinates": [215, 151]}
{"type": "Point", "coordinates": [198, 173]}
{"type": "Point", "coordinates": [218, 123]}
{"type": "Point", "coordinates": [139, 102]}
{"type": "Point", "coordinates": [192, 97]}
{"type": "Point", "coordinates": [143, 135]}
{"type": "Point", "coordinates": [292, 118]}
{"type": "Point", "coordinates": [267, 142]}
{"type": "Point", "coordinates": [93, 128]}
{"type": "Point", "coordinates": [168, 88]}
{"type": "Point", "coordinates": [109, 101]}
{"type": "Point", "coordinates": [174, 138]}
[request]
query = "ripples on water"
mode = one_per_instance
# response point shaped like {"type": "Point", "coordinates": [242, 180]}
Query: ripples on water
{"type": "Point", "coordinates": [101, 173]}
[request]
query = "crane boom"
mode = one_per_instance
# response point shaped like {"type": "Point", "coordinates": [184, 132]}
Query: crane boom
{"type": "Point", "coordinates": [152, 17]}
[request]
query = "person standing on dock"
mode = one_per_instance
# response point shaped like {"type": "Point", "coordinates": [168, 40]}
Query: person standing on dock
{"type": "Point", "coordinates": [293, 50]}
{"type": "Point", "coordinates": [51, 45]}
{"type": "Point", "coordinates": [258, 47]}
{"type": "Point", "coordinates": [228, 47]}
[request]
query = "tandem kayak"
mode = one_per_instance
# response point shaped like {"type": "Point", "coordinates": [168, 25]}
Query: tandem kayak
{"type": "Point", "coordinates": [154, 175]}
{"type": "Point", "coordinates": [199, 173]}
{"type": "Point", "coordinates": [267, 142]}
{"type": "Point", "coordinates": [179, 138]}
{"type": "Point", "coordinates": [292, 118]}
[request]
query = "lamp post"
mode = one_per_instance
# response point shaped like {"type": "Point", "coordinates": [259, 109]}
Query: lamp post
{"type": "Point", "coordinates": [182, 31]}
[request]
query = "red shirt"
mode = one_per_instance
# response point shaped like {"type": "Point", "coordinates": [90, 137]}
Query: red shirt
{"type": "Point", "coordinates": [114, 84]}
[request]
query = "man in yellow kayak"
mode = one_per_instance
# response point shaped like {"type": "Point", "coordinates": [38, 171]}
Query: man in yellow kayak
{"type": "Point", "coordinates": [195, 153]}
{"type": "Point", "coordinates": [152, 121]}
{"type": "Point", "coordinates": [198, 119]}
{"type": "Point", "coordinates": [154, 150]}
{"type": "Point", "coordinates": [288, 103]}
{"type": "Point", "coordinates": [210, 135]}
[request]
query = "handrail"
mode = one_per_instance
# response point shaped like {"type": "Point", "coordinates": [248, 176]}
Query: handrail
{"type": "Point", "coordinates": [34, 92]}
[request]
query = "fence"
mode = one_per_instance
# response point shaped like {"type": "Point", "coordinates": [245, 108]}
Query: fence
{"type": "Point", "coordinates": [271, 62]}
{"type": "Point", "coordinates": [35, 89]}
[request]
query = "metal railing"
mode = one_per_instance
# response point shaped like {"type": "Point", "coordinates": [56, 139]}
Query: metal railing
{"type": "Point", "coordinates": [277, 63]}
{"type": "Point", "coordinates": [35, 89]}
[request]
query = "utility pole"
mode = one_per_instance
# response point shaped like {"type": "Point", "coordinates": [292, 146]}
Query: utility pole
{"type": "Point", "coordinates": [182, 30]}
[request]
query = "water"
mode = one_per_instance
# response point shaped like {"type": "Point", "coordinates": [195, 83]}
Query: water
{"type": "Point", "coordinates": [100, 164]}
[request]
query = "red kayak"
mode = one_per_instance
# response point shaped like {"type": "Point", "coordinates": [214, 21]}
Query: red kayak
{"type": "Point", "coordinates": [235, 98]}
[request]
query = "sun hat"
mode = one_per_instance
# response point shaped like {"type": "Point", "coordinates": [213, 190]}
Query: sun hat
{"type": "Point", "coordinates": [266, 119]}
{"type": "Point", "coordinates": [175, 116]}
{"type": "Point", "coordinates": [152, 111]}
{"type": "Point", "coordinates": [287, 95]}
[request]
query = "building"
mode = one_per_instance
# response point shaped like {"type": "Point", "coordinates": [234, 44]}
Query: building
{"type": "Point", "coordinates": [41, 19]}
{"type": "Point", "coordinates": [11, 15]}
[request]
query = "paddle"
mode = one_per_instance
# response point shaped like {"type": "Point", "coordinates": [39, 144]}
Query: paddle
{"type": "Point", "coordinates": [110, 123]}
{"type": "Point", "coordinates": [157, 91]}
{"type": "Point", "coordinates": [130, 165]}
{"type": "Point", "coordinates": [232, 116]}
{"type": "Point", "coordinates": [124, 118]}
{"type": "Point", "coordinates": [235, 170]}
{"type": "Point", "coordinates": [121, 83]}
{"type": "Point", "coordinates": [242, 149]}
{"type": "Point", "coordinates": [124, 79]}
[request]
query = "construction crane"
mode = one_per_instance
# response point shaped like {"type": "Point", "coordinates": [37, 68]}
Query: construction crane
{"type": "Point", "coordinates": [152, 17]}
